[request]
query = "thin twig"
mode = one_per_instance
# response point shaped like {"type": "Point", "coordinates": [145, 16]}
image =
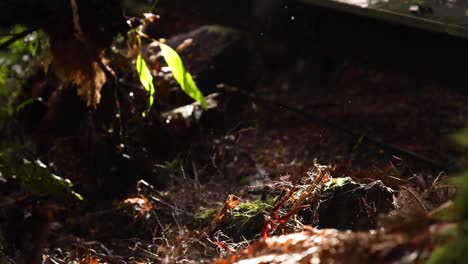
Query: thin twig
{"type": "Point", "coordinates": [76, 23]}
{"type": "Point", "coordinates": [5, 257]}
{"type": "Point", "coordinates": [108, 252]}
{"type": "Point", "coordinates": [147, 253]}
{"type": "Point", "coordinates": [418, 199]}
{"type": "Point", "coordinates": [310, 192]}
{"type": "Point", "coordinates": [195, 175]}
{"type": "Point", "coordinates": [154, 6]}
{"type": "Point", "coordinates": [112, 81]}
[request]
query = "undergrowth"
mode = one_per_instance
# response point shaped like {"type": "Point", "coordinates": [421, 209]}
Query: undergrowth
{"type": "Point", "coordinates": [35, 178]}
{"type": "Point", "coordinates": [456, 250]}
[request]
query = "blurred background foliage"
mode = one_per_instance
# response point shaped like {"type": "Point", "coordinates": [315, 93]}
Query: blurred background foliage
{"type": "Point", "coordinates": [455, 249]}
{"type": "Point", "coordinates": [17, 60]}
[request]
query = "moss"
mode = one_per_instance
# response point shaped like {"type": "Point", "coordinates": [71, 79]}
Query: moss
{"type": "Point", "coordinates": [205, 215]}
{"type": "Point", "coordinates": [343, 204]}
{"type": "Point", "coordinates": [250, 209]}
{"type": "Point", "coordinates": [337, 183]}
{"type": "Point", "coordinates": [247, 220]}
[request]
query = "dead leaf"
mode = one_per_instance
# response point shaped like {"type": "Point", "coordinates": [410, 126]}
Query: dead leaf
{"type": "Point", "coordinates": [141, 205]}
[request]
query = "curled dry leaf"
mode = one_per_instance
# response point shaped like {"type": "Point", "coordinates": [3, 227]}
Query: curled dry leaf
{"type": "Point", "coordinates": [141, 205]}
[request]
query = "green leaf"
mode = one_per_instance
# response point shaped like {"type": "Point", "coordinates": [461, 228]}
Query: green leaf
{"type": "Point", "coordinates": [181, 75]}
{"type": "Point", "coordinates": [146, 78]}
{"type": "Point", "coordinates": [155, 3]}
{"type": "Point", "coordinates": [35, 178]}
{"type": "Point", "coordinates": [26, 103]}
{"type": "Point", "coordinates": [33, 43]}
{"type": "Point", "coordinates": [461, 137]}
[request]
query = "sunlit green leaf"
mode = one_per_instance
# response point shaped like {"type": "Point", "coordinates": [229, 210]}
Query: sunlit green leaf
{"type": "Point", "coordinates": [153, 6]}
{"type": "Point", "coordinates": [77, 195]}
{"type": "Point", "coordinates": [3, 77]}
{"type": "Point", "coordinates": [33, 43]}
{"type": "Point", "coordinates": [4, 39]}
{"type": "Point", "coordinates": [181, 75]}
{"type": "Point", "coordinates": [35, 178]}
{"type": "Point", "coordinates": [146, 78]}
{"type": "Point", "coordinates": [26, 103]}
{"type": "Point", "coordinates": [461, 136]}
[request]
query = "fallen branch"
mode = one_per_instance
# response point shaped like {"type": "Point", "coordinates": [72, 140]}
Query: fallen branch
{"type": "Point", "coordinates": [314, 118]}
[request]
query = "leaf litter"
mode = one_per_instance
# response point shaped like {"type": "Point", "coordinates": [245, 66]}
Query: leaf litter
{"type": "Point", "coordinates": [275, 218]}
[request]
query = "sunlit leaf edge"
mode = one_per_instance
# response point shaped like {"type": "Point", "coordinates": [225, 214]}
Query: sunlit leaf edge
{"type": "Point", "coordinates": [146, 79]}
{"type": "Point", "coordinates": [181, 75]}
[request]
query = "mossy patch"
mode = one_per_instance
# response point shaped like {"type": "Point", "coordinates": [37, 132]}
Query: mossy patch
{"type": "Point", "coordinates": [204, 216]}
{"type": "Point", "coordinates": [337, 183]}
{"type": "Point", "coordinates": [245, 221]}
{"type": "Point", "coordinates": [345, 204]}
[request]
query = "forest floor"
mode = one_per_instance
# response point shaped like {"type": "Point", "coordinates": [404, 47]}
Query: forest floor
{"type": "Point", "coordinates": [266, 179]}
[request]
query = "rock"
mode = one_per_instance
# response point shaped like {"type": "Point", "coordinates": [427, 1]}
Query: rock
{"type": "Point", "coordinates": [350, 205]}
{"type": "Point", "coordinates": [215, 54]}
